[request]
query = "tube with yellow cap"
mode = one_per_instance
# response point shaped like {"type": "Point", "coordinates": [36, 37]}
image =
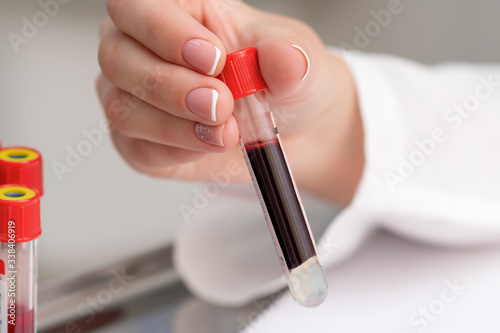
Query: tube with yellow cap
{"type": "Point", "coordinates": [19, 229]}
{"type": "Point", "coordinates": [21, 165]}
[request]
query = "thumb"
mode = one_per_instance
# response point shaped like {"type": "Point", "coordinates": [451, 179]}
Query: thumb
{"type": "Point", "coordinates": [283, 64]}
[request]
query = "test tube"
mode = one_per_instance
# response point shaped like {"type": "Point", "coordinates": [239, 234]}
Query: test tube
{"type": "Point", "coordinates": [273, 180]}
{"type": "Point", "coordinates": [19, 229]}
{"type": "Point", "coordinates": [21, 165]}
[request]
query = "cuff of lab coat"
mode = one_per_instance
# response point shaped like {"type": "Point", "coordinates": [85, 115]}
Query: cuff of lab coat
{"type": "Point", "coordinates": [425, 177]}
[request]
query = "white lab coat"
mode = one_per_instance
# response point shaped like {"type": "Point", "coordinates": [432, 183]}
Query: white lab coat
{"type": "Point", "coordinates": [432, 173]}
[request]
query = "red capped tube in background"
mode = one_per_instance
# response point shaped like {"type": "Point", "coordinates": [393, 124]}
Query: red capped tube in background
{"type": "Point", "coordinates": [19, 230]}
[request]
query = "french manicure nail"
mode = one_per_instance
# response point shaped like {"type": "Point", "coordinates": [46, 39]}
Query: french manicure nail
{"type": "Point", "coordinates": [203, 102]}
{"type": "Point", "coordinates": [210, 134]}
{"type": "Point", "coordinates": [308, 63]}
{"type": "Point", "coordinates": [202, 55]}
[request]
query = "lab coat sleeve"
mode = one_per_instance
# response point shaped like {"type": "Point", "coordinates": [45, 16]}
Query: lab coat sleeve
{"type": "Point", "coordinates": [431, 144]}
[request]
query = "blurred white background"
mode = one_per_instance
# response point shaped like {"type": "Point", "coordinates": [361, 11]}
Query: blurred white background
{"type": "Point", "coordinates": [103, 211]}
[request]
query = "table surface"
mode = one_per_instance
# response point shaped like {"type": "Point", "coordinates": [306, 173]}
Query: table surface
{"type": "Point", "coordinates": [390, 285]}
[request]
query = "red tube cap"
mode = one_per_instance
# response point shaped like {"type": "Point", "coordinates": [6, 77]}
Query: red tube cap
{"type": "Point", "coordinates": [242, 73]}
{"type": "Point", "coordinates": [21, 165]}
{"type": "Point", "coordinates": [19, 214]}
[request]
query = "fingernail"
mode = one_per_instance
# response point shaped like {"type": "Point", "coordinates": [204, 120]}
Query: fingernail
{"type": "Point", "coordinates": [210, 134]}
{"type": "Point", "coordinates": [202, 55]}
{"type": "Point", "coordinates": [308, 63]}
{"type": "Point", "coordinates": [203, 102]}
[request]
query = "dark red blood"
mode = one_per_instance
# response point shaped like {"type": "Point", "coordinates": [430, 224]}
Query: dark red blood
{"type": "Point", "coordinates": [283, 205]}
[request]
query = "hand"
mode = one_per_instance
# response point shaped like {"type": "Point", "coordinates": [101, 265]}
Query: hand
{"type": "Point", "coordinates": [159, 60]}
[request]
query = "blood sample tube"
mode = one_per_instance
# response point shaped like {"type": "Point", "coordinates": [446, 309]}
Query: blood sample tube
{"type": "Point", "coordinates": [21, 165]}
{"type": "Point", "coordinates": [273, 180]}
{"type": "Point", "coordinates": [19, 229]}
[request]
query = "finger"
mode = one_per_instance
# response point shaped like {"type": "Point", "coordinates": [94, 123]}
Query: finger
{"type": "Point", "coordinates": [137, 119]}
{"type": "Point", "coordinates": [170, 32]}
{"type": "Point", "coordinates": [107, 25]}
{"type": "Point", "coordinates": [284, 65]}
{"type": "Point", "coordinates": [152, 158]}
{"type": "Point", "coordinates": [170, 162]}
{"type": "Point", "coordinates": [181, 91]}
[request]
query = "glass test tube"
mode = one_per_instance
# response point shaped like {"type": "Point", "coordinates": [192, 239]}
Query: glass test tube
{"type": "Point", "coordinates": [273, 180]}
{"type": "Point", "coordinates": [19, 229]}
